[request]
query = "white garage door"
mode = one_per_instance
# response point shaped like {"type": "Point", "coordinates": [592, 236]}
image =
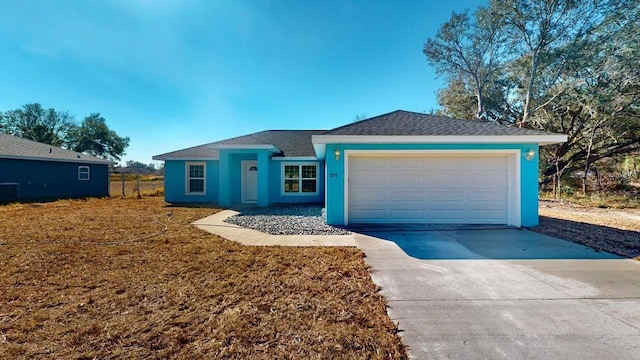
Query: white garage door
{"type": "Point", "coordinates": [451, 188]}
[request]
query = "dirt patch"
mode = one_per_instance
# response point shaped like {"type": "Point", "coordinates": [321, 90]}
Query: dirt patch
{"type": "Point", "coordinates": [611, 230]}
{"type": "Point", "coordinates": [132, 278]}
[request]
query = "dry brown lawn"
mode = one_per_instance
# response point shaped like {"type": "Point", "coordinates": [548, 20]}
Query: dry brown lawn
{"type": "Point", "coordinates": [147, 187]}
{"type": "Point", "coordinates": [130, 278]}
{"type": "Point", "coordinates": [613, 230]}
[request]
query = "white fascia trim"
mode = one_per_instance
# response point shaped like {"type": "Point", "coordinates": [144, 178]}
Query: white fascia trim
{"type": "Point", "coordinates": [294, 158]}
{"type": "Point", "coordinates": [271, 148]}
{"type": "Point", "coordinates": [448, 139]}
{"type": "Point", "coordinates": [75, 161]}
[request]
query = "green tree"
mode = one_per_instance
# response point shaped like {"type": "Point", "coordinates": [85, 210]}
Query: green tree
{"type": "Point", "coordinates": [572, 68]}
{"type": "Point", "coordinates": [94, 137]}
{"type": "Point", "coordinates": [35, 123]}
{"type": "Point", "coordinates": [468, 51]}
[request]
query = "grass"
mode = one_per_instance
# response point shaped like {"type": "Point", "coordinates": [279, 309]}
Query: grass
{"type": "Point", "coordinates": [126, 277]}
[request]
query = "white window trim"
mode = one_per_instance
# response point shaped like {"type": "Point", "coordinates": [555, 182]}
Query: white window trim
{"type": "Point", "coordinates": [187, 178]}
{"type": "Point", "coordinates": [88, 173]}
{"type": "Point", "coordinates": [300, 164]}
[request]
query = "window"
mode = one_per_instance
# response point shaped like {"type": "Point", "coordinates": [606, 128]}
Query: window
{"type": "Point", "coordinates": [300, 178]}
{"type": "Point", "coordinates": [196, 178]}
{"type": "Point", "coordinates": [83, 173]}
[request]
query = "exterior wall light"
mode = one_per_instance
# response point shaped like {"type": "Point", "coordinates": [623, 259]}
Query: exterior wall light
{"type": "Point", "coordinates": [530, 155]}
{"type": "Point", "coordinates": [336, 152]}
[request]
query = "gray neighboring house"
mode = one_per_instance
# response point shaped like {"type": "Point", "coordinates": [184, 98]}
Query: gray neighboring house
{"type": "Point", "coordinates": [30, 170]}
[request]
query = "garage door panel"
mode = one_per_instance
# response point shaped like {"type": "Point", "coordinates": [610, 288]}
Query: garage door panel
{"type": "Point", "coordinates": [409, 196]}
{"type": "Point", "coordinates": [448, 196]}
{"type": "Point", "coordinates": [447, 179]}
{"type": "Point", "coordinates": [485, 179]}
{"type": "Point", "coordinates": [498, 162]}
{"type": "Point", "coordinates": [408, 180]}
{"type": "Point", "coordinates": [487, 216]}
{"type": "Point", "coordinates": [368, 196]}
{"type": "Point", "coordinates": [367, 179]}
{"type": "Point", "coordinates": [447, 216]}
{"type": "Point", "coordinates": [487, 196]}
{"type": "Point", "coordinates": [408, 215]}
{"type": "Point", "coordinates": [372, 163]}
{"type": "Point", "coordinates": [369, 215]}
{"type": "Point", "coordinates": [429, 189]}
{"type": "Point", "coordinates": [415, 164]}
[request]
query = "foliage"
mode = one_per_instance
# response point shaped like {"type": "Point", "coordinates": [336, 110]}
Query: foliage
{"type": "Point", "coordinates": [555, 65]}
{"type": "Point", "coordinates": [469, 52]}
{"type": "Point", "coordinates": [58, 128]}
{"type": "Point", "coordinates": [94, 137]}
{"type": "Point", "coordinates": [35, 123]}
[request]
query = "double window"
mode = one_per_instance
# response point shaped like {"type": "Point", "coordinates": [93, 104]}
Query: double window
{"type": "Point", "coordinates": [196, 184]}
{"type": "Point", "coordinates": [300, 178]}
{"type": "Point", "coordinates": [84, 173]}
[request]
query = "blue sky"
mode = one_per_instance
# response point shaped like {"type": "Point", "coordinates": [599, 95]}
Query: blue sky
{"type": "Point", "coordinates": [175, 74]}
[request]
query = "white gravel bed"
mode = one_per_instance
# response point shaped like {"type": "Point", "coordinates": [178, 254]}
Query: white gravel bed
{"type": "Point", "coordinates": [303, 219]}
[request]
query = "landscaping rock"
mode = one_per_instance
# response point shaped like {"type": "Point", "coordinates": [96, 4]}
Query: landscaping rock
{"type": "Point", "coordinates": [304, 219]}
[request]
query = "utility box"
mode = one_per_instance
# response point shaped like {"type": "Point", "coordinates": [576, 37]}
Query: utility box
{"type": "Point", "coordinates": [8, 192]}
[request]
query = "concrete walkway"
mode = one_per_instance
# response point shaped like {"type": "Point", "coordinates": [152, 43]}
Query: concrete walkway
{"type": "Point", "coordinates": [215, 224]}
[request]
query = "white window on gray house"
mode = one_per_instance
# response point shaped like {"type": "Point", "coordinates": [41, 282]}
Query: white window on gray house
{"type": "Point", "coordinates": [196, 182]}
{"type": "Point", "coordinates": [83, 173]}
{"type": "Point", "coordinates": [300, 178]}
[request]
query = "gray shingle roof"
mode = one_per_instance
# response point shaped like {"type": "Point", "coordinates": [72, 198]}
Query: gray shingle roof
{"type": "Point", "coordinates": [397, 123]}
{"type": "Point", "coordinates": [200, 152]}
{"type": "Point", "coordinates": [289, 142]}
{"type": "Point", "coordinates": [13, 147]}
{"type": "Point", "coordinates": [406, 123]}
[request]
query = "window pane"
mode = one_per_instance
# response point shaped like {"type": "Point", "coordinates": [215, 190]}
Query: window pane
{"type": "Point", "coordinates": [196, 185]}
{"type": "Point", "coordinates": [83, 173]}
{"type": "Point", "coordinates": [196, 171]}
{"type": "Point", "coordinates": [291, 171]}
{"type": "Point", "coordinates": [308, 186]}
{"type": "Point", "coordinates": [291, 186]}
{"type": "Point", "coordinates": [309, 172]}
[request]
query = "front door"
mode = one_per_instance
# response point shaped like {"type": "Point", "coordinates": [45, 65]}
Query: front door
{"type": "Point", "coordinates": [249, 181]}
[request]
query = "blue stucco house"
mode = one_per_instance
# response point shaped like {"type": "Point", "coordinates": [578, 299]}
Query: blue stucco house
{"type": "Point", "coordinates": [30, 170]}
{"type": "Point", "coordinates": [400, 167]}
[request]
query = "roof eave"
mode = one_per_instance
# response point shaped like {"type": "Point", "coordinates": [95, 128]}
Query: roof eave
{"type": "Point", "coordinates": [319, 141]}
{"type": "Point", "coordinates": [37, 158]}
{"type": "Point", "coordinates": [185, 158]}
{"type": "Point", "coordinates": [542, 139]}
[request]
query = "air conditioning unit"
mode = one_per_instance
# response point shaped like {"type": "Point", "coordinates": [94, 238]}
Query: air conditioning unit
{"type": "Point", "coordinates": [8, 192]}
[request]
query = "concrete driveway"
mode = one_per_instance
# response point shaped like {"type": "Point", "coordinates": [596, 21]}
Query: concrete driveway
{"type": "Point", "coordinates": [458, 294]}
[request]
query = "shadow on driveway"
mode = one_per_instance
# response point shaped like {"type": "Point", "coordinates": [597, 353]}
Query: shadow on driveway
{"type": "Point", "coordinates": [459, 242]}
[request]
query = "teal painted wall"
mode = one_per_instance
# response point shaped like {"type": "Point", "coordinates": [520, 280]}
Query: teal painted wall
{"type": "Point", "coordinates": [529, 185]}
{"type": "Point", "coordinates": [335, 175]}
{"type": "Point", "coordinates": [175, 186]}
{"type": "Point", "coordinates": [225, 187]}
